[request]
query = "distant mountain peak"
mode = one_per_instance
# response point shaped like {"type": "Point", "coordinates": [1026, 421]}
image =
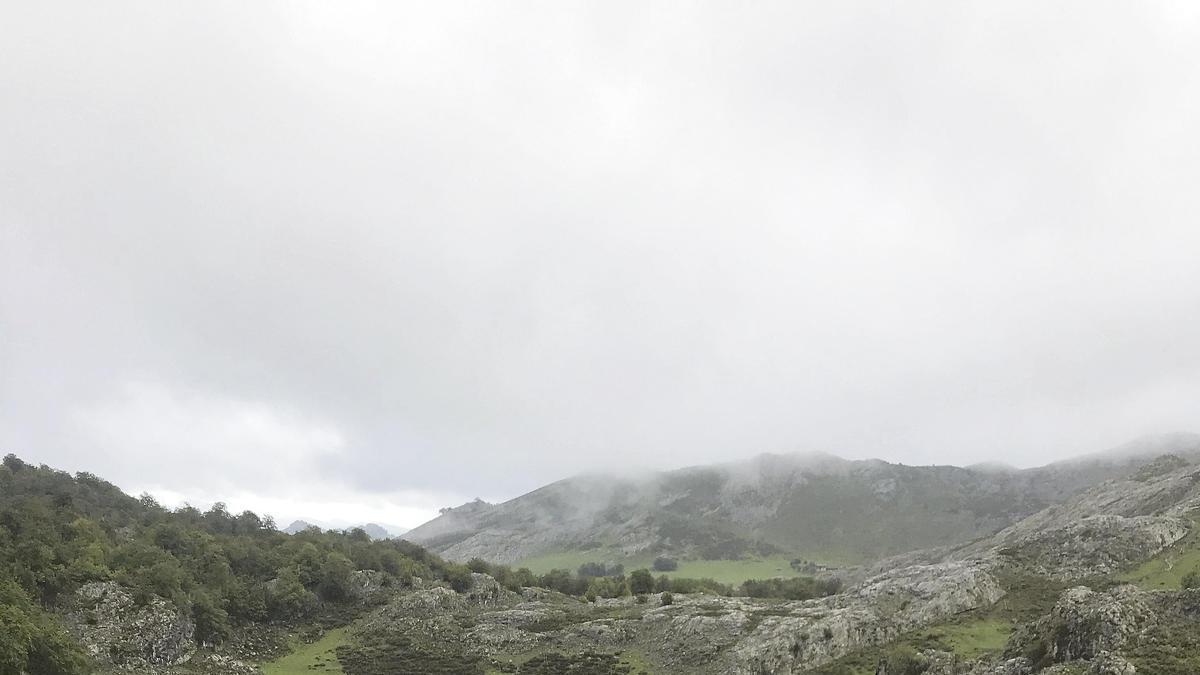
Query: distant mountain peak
{"type": "Point", "coordinates": [373, 530]}
{"type": "Point", "coordinates": [298, 526]}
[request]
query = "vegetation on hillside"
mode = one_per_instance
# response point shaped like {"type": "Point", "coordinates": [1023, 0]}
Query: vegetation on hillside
{"type": "Point", "coordinates": [58, 532]}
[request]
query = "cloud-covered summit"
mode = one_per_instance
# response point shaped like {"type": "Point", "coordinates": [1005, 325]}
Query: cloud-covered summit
{"type": "Point", "coordinates": [411, 254]}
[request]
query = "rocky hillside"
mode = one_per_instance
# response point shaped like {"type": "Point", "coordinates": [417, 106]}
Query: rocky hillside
{"type": "Point", "coordinates": [1106, 582]}
{"type": "Point", "coordinates": [1047, 595]}
{"type": "Point", "coordinates": [803, 505]}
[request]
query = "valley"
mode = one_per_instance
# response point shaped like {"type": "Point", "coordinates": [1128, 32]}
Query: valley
{"type": "Point", "coordinates": [1082, 583]}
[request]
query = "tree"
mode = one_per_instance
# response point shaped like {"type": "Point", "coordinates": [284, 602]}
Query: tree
{"type": "Point", "coordinates": [641, 581]}
{"type": "Point", "coordinates": [665, 564]}
{"type": "Point", "coordinates": [592, 569]}
{"type": "Point", "coordinates": [16, 637]}
{"type": "Point", "coordinates": [212, 622]}
{"type": "Point", "coordinates": [336, 574]}
{"type": "Point", "coordinates": [32, 641]}
{"type": "Point", "coordinates": [287, 596]}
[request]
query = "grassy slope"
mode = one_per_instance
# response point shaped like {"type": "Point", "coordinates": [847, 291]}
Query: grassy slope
{"type": "Point", "coordinates": [308, 659]}
{"type": "Point", "coordinates": [971, 637]}
{"type": "Point", "coordinates": [1165, 571]}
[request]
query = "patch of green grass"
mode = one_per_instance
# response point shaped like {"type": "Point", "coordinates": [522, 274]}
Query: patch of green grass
{"type": "Point", "coordinates": [971, 640]}
{"type": "Point", "coordinates": [383, 651]}
{"type": "Point", "coordinates": [307, 659]}
{"type": "Point", "coordinates": [637, 663]}
{"type": "Point", "coordinates": [1166, 570]}
{"type": "Point", "coordinates": [565, 560]}
{"type": "Point", "coordinates": [735, 571]}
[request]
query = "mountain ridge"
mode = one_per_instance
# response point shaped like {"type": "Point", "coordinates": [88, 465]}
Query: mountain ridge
{"type": "Point", "coordinates": [803, 504]}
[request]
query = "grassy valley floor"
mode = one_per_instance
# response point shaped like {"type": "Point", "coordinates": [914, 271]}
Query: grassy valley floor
{"type": "Point", "coordinates": [725, 571]}
{"type": "Point", "coordinates": [310, 659]}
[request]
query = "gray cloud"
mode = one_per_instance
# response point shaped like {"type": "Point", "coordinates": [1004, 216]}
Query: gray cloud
{"type": "Point", "coordinates": [425, 252]}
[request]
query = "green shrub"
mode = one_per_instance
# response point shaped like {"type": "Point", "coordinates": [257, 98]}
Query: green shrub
{"type": "Point", "coordinates": [1191, 580]}
{"type": "Point", "coordinates": [904, 661]}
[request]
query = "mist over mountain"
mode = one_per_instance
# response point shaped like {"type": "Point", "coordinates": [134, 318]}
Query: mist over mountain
{"type": "Point", "coordinates": [689, 338]}
{"type": "Point", "coordinates": [812, 506]}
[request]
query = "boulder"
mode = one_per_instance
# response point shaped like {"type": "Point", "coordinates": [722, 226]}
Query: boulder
{"type": "Point", "coordinates": [487, 593]}
{"type": "Point", "coordinates": [142, 638]}
{"type": "Point", "coordinates": [1107, 663]}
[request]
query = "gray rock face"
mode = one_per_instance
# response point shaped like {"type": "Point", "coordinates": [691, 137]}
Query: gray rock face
{"type": "Point", "coordinates": [818, 631]}
{"type": "Point", "coordinates": [487, 592]}
{"type": "Point", "coordinates": [1096, 545]}
{"type": "Point", "coordinates": [367, 585]}
{"type": "Point", "coordinates": [1110, 664]}
{"type": "Point", "coordinates": [742, 636]}
{"type": "Point", "coordinates": [113, 629]}
{"type": "Point", "coordinates": [1087, 625]}
{"type": "Point", "coordinates": [697, 633]}
{"type": "Point", "coordinates": [226, 665]}
{"type": "Point", "coordinates": [427, 603]}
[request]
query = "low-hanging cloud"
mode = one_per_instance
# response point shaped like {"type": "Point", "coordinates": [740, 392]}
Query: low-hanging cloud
{"type": "Point", "coordinates": [429, 252]}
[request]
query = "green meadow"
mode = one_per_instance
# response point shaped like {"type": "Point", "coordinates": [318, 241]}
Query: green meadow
{"type": "Point", "coordinates": [724, 571]}
{"type": "Point", "coordinates": [1166, 570]}
{"type": "Point", "coordinates": [310, 659]}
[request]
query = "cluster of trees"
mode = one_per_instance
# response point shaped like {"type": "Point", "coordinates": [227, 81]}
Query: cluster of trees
{"type": "Point", "coordinates": [605, 580]}
{"type": "Point", "coordinates": [58, 532]}
{"type": "Point", "coordinates": [609, 581]}
{"type": "Point", "coordinates": [31, 639]}
{"type": "Point", "coordinates": [599, 569]}
{"type": "Point", "coordinates": [792, 588]}
{"type": "Point", "coordinates": [589, 583]}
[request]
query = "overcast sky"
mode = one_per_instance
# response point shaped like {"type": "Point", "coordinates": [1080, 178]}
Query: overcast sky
{"type": "Point", "coordinates": [358, 262]}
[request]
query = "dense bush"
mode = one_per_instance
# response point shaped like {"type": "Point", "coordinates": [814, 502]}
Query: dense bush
{"type": "Point", "coordinates": [641, 581]}
{"type": "Point", "coordinates": [31, 640]}
{"type": "Point", "coordinates": [904, 661]}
